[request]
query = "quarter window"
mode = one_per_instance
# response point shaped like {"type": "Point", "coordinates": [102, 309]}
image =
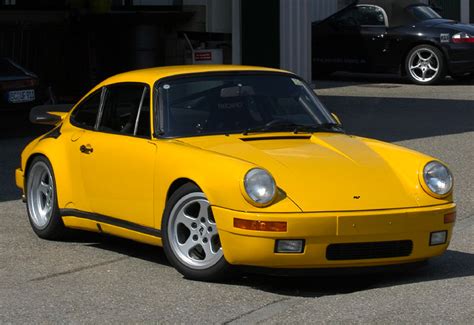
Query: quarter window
{"type": "Point", "coordinates": [362, 15]}
{"type": "Point", "coordinates": [126, 110]}
{"type": "Point", "coordinates": [85, 116]}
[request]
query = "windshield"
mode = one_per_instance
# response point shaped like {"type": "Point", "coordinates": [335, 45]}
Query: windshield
{"type": "Point", "coordinates": [424, 13]}
{"type": "Point", "coordinates": [238, 103]}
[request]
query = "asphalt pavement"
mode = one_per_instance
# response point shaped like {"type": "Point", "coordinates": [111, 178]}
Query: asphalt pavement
{"type": "Point", "coordinates": [99, 279]}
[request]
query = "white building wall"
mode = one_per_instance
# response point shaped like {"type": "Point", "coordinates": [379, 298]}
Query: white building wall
{"type": "Point", "coordinates": [295, 36]}
{"type": "Point", "coordinates": [465, 11]}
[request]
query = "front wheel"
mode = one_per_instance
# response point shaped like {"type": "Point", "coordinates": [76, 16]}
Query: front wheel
{"type": "Point", "coordinates": [425, 65]}
{"type": "Point", "coordinates": [190, 238]}
{"type": "Point", "coordinates": [41, 200]}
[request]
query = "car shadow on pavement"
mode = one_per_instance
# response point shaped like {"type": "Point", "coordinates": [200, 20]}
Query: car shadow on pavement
{"type": "Point", "coordinates": [118, 245]}
{"type": "Point", "coordinates": [397, 119]}
{"type": "Point", "coordinates": [453, 264]}
{"type": "Point", "coordinates": [343, 79]}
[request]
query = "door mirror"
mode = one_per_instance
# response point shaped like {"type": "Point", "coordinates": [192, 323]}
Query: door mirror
{"type": "Point", "coordinates": [336, 118]}
{"type": "Point", "coordinates": [49, 114]}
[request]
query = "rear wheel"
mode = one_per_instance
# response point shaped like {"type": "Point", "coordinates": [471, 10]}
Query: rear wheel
{"type": "Point", "coordinates": [425, 65]}
{"type": "Point", "coordinates": [41, 200]}
{"type": "Point", "coordinates": [190, 238]}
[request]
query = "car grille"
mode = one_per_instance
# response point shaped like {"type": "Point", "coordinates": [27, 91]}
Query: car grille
{"type": "Point", "coordinates": [362, 251]}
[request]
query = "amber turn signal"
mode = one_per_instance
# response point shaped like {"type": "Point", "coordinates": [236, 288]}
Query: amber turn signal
{"type": "Point", "coordinates": [450, 217]}
{"type": "Point", "coordinates": [260, 225]}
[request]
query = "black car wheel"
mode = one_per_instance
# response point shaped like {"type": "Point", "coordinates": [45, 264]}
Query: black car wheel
{"type": "Point", "coordinates": [425, 65]}
{"type": "Point", "coordinates": [41, 200]}
{"type": "Point", "coordinates": [190, 238]}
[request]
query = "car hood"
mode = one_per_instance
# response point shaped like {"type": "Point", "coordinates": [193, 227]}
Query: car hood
{"type": "Point", "coordinates": [324, 172]}
{"type": "Point", "coordinates": [449, 24]}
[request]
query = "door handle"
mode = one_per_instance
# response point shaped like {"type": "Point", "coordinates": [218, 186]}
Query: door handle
{"type": "Point", "coordinates": [86, 149]}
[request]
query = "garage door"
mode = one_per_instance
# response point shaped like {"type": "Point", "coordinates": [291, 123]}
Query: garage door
{"type": "Point", "coordinates": [451, 8]}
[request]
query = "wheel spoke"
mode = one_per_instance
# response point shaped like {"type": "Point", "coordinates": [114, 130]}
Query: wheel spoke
{"type": "Point", "coordinates": [423, 74]}
{"type": "Point", "coordinates": [433, 68]}
{"type": "Point", "coordinates": [187, 246]}
{"type": "Point", "coordinates": [186, 220]}
{"type": "Point", "coordinates": [207, 250]}
{"type": "Point", "coordinates": [203, 211]}
{"type": "Point", "coordinates": [44, 188]}
{"type": "Point", "coordinates": [211, 230]}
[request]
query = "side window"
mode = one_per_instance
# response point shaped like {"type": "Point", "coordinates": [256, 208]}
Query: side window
{"type": "Point", "coordinates": [371, 15]}
{"type": "Point", "coordinates": [361, 15]}
{"type": "Point", "coordinates": [126, 110]}
{"type": "Point", "coordinates": [346, 18]}
{"type": "Point", "coordinates": [85, 116]}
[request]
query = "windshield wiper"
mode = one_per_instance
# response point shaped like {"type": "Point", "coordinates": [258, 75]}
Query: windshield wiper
{"type": "Point", "coordinates": [272, 126]}
{"type": "Point", "coordinates": [295, 128]}
{"type": "Point", "coordinates": [326, 127]}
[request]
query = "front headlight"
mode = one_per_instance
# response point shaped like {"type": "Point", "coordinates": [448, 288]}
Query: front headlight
{"type": "Point", "coordinates": [260, 186]}
{"type": "Point", "coordinates": [438, 178]}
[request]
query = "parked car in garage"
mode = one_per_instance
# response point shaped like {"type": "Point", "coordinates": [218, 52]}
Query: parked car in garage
{"type": "Point", "coordinates": [228, 166]}
{"type": "Point", "coordinates": [393, 36]}
{"type": "Point", "coordinates": [20, 89]}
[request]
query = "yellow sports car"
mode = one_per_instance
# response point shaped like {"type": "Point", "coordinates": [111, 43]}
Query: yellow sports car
{"type": "Point", "coordinates": [232, 165]}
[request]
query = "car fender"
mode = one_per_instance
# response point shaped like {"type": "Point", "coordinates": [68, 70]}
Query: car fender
{"type": "Point", "coordinates": [219, 176]}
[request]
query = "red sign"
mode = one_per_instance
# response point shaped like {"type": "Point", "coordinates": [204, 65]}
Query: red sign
{"type": "Point", "coordinates": [203, 56]}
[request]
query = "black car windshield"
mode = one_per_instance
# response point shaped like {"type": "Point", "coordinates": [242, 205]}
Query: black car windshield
{"type": "Point", "coordinates": [423, 12]}
{"type": "Point", "coordinates": [238, 103]}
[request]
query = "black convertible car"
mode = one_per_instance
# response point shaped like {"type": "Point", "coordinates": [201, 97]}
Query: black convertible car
{"type": "Point", "coordinates": [393, 36]}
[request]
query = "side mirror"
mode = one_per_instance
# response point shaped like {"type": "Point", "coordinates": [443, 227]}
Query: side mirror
{"type": "Point", "coordinates": [336, 118]}
{"type": "Point", "coordinates": [49, 114]}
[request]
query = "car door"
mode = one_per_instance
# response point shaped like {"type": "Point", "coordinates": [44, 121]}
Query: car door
{"type": "Point", "coordinates": [117, 158]}
{"type": "Point", "coordinates": [339, 40]}
{"type": "Point", "coordinates": [373, 22]}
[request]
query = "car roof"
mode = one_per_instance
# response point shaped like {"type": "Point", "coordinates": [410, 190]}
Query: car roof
{"type": "Point", "coordinates": [395, 9]}
{"type": "Point", "coordinates": [151, 75]}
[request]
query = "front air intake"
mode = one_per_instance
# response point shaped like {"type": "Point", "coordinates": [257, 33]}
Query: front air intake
{"type": "Point", "coordinates": [362, 251]}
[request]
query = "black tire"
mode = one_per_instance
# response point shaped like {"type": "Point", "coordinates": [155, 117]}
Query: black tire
{"type": "Point", "coordinates": [438, 58]}
{"type": "Point", "coordinates": [217, 272]}
{"type": "Point", "coordinates": [54, 228]}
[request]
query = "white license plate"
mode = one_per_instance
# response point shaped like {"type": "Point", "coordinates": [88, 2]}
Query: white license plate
{"type": "Point", "coordinates": [21, 96]}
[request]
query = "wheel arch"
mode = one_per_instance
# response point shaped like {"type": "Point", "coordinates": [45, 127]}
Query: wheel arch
{"type": "Point", "coordinates": [411, 46]}
{"type": "Point", "coordinates": [30, 159]}
{"type": "Point", "coordinates": [176, 184]}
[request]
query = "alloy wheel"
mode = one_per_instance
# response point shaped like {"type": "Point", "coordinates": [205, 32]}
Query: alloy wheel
{"type": "Point", "coordinates": [192, 232]}
{"type": "Point", "coordinates": [40, 195]}
{"type": "Point", "coordinates": [424, 65]}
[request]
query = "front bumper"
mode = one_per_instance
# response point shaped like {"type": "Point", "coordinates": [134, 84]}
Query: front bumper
{"type": "Point", "coordinates": [319, 230]}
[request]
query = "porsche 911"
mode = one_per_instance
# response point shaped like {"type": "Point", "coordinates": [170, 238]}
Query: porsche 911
{"type": "Point", "coordinates": [227, 166]}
